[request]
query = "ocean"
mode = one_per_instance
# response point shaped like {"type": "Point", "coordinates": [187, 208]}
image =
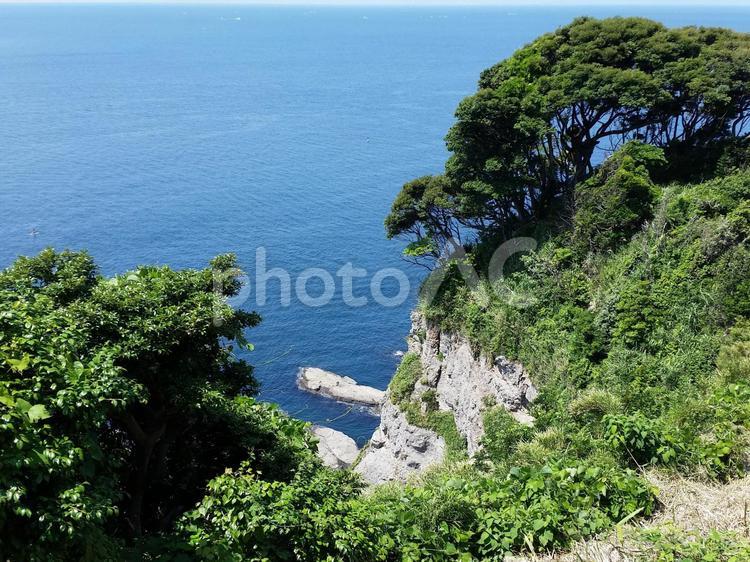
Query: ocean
{"type": "Point", "coordinates": [168, 134]}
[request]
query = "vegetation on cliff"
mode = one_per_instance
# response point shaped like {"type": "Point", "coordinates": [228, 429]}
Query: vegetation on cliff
{"type": "Point", "coordinates": [632, 314]}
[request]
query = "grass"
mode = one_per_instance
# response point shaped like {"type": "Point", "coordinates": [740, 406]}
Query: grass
{"type": "Point", "coordinates": [696, 521]}
{"type": "Point", "coordinates": [406, 377]}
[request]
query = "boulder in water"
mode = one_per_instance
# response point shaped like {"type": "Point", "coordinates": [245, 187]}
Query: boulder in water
{"type": "Point", "coordinates": [340, 388]}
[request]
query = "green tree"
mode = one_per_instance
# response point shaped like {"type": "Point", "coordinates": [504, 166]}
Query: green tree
{"type": "Point", "coordinates": [56, 489]}
{"type": "Point", "coordinates": [120, 399]}
{"type": "Point", "coordinates": [611, 206]}
{"type": "Point", "coordinates": [541, 118]}
{"type": "Point", "coordinates": [422, 209]}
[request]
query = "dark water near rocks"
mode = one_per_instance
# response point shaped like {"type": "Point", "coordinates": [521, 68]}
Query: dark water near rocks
{"type": "Point", "coordinates": [170, 134]}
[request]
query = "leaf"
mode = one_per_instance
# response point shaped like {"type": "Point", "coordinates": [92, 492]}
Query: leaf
{"type": "Point", "coordinates": [19, 365]}
{"type": "Point", "coordinates": [455, 484]}
{"type": "Point", "coordinates": [77, 371]}
{"type": "Point", "coordinates": [22, 405]}
{"type": "Point", "coordinates": [38, 412]}
{"type": "Point", "coordinates": [629, 517]}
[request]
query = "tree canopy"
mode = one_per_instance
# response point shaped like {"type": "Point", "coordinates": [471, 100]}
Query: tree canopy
{"type": "Point", "coordinates": [542, 119]}
{"type": "Point", "coordinates": [119, 400]}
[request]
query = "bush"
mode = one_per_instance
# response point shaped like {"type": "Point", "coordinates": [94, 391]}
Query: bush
{"type": "Point", "coordinates": [593, 404]}
{"type": "Point", "coordinates": [244, 517]}
{"type": "Point", "coordinates": [733, 361]}
{"type": "Point", "coordinates": [456, 515]}
{"type": "Point", "coordinates": [548, 507]}
{"type": "Point", "coordinates": [406, 377]}
{"type": "Point", "coordinates": [119, 400]}
{"type": "Point", "coordinates": [641, 440]}
{"type": "Point", "coordinates": [614, 203]}
{"type": "Point", "coordinates": [502, 433]}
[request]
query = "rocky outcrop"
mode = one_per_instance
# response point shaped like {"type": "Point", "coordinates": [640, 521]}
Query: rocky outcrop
{"type": "Point", "coordinates": [398, 448]}
{"type": "Point", "coordinates": [340, 388]}
{"type": "Point", "coordinates": [335, 449]}
{"type": "Point", "coordinates": [460, 382]}
{"type": "Point", "coordinates": [465, 383]}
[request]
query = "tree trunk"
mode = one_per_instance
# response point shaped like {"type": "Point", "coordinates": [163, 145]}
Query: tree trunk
{"type": "Point", "coordinates": [144, 446]}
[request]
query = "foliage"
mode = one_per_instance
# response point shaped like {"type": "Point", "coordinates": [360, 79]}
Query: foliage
{"type": "Point", "coordinates": [659, 320]}
{"type": "Point", "coordinates": [456, 516]}
{"type": "Point", "coordinates": [408, 373]}
{"type": "Point", "coordinates": [56, 490]}
{"type": "Point", "coordinates": [502, 434]}
{"type": "Point", "coordinates": [613, 204]}
{"type": "Point", "coordinates": [631, 315]}
{"type": "Point", "coordinates": [244, 517]}
{"type": "Point", "coordinates": [594, 403]}
{"type": "Point", "coordinates": [420, 208]}
{"type": "Point", "coordinates": [539, 508]}
{"type": "Point", "coordinates": [642, 440]}
{"type": "Point", "coordinates": [541, 119]}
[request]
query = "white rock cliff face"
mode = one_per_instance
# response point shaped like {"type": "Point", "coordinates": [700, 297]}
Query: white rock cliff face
{"type": "Point", "coordinates": [398, 448]}
{"type": "Point", "coordinates": [464, 385]}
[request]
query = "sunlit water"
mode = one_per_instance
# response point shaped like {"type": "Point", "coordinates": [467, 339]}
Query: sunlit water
{"type": "Point", "coordinates": [170, 134]}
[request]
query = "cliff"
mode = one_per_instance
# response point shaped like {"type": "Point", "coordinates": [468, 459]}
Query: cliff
{"type": "Point", "coordinates": [435, 404]}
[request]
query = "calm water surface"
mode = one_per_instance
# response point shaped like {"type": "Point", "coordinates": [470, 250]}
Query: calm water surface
{"type": "Point", "coordinates": [170, 134]}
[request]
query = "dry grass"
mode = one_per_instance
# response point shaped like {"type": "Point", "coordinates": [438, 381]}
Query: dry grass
{"type": "Point", "coordinates": [686, 504]}
{"type": "Point", "coordinates": [697, 506]}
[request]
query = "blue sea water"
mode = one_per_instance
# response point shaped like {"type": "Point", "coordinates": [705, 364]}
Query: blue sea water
{"type": "Point", "coordinates": [170, 134]}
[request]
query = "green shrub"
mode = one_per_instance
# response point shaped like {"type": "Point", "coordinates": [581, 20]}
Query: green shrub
{"type": "Point", "coordinates": [453, 515]}
{"type": "Point", "coordinates": [641, 440]}
{"type": "Point", "coordinates": [120, 399]}
{"type": "Point", "coordinates": [593, 404]}
{"type": "Point", "coordinates": [429, 399]}
{"type": "Point", "coordinates": [502, 433]}
{"type": "Point", "coordinates": [720, 443]}
{"type": "Point", "coordinates": [733, 361]}
{"type": "Point", "coordinates": [613, 204]}
{"type": "Point", "coordinates": [548, 507]}
{"type": "Point", "coordinates": [406, 377]}
{"type": "Point", "coordinates": [309, 518]}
